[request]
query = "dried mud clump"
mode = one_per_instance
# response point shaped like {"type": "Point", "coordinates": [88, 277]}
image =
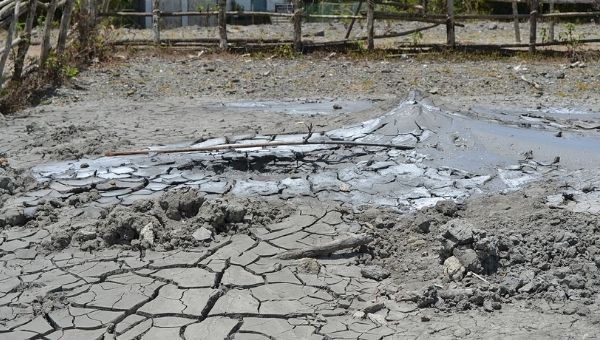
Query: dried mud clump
{"type": "Point", "coordinates": [179, 218]}
{"type": "Point", "coordinates": [494, 250]}
{"type": "Point", "coordinates": [12, 182]}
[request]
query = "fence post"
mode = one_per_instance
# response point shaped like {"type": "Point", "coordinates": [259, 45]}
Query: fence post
{"type": "Point", "coordinates": [9, 39]}
{"type": "Point", "coordinates": [45, 49]}
{"type": "Point", "coordinates": [223, 24]}
{"type": "Point", "coordinates": [533, 25]}
{"type": "Point", "coordinates": [156, 21]}
{"type": "Point", "coordinates": [451, 38]}
{"type": "Point", "coordinates": [515, 9]}
{"type": "Point", "coordinates": [25, 40]}
{"type": "Point", "coordinates": [551, 28]}
{"type": "Point", "coordinates": [370, 25]}
{"type": "Point", "coordinates": [353, 19]}
{"type": "Point", "coordinates": [297, 19]}
{"type": "Point", "coordinates": [64, 26]}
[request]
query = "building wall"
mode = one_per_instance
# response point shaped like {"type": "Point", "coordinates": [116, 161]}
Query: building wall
{"type": "Point", "coordinates": [195, 5]}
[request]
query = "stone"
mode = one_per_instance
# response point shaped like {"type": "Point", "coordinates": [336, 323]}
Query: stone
{"type": "Point", "coordinates": [468, 258]}
{"type": "Point", "coordinates": [459, 231]}
{"type": "Point", "coordinates": [510, 284]}
{"type": "Point", "coordinates": [454, 269]}
{"type": "Point", "coordinates": [147, 236]}
{"type": "Point", "coordinates": [202, 234]}
{"type": "Point", "coordinates": [376, 273]}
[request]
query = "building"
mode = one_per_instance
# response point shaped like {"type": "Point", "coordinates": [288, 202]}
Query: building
{"type": "Point", "coordinates": [205, 5]}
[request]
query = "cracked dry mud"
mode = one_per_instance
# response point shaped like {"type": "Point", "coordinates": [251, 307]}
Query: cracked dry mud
{"type": "Point", "coordinates": [472, 237]}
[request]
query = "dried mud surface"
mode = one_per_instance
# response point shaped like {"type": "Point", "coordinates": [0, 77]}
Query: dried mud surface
{"type": "Point", "coordinates": [488, 228]}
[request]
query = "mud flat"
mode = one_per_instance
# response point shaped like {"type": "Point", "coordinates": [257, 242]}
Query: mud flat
{"type": "Point", "coordinates": [475, 220]}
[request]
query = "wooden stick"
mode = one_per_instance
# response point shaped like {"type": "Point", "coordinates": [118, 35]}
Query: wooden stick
{"type": "Point", "coordinates": [249, 146]}
{"type": "Point", "coordinates": [297, 20]}
{"type": "Point", "coordinates": [515, 9]}
{"type": "Point", "coordinates": [25, 41]}
{"type": "Point", "coordinates": [353, 19]}
{"type": "Point", "coordinates": [156, 21]}
{"type": "Point", "coordinates": [351, 241]}
{"type": "Point", "coordinates": [65, 22]}
{"type": "Point", "coordinates": [9, 40]}
{"type": "Point", "coordinates": [222, 24]}
{"type": "Point", "coordinates": [450, 36]}
{"type": "Point", "coordinates": [45, 49]}
{"type": "Point", "coordinates": [533, 25]}
{"type": "Point", "coordinates": [552, 21]}
{"type": "Point", "coordinates": [370, 25]}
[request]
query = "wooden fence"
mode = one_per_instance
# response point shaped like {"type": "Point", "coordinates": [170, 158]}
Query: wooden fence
{"type": "Point", "coordinates": [12, 10]}
{"type": "Point", "coordinates": [449, 19]}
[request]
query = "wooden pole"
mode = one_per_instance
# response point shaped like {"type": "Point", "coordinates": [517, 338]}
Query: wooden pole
{"type": "Point", "coordinates": [25, 40]}
{"type": "Point", "coordinates": [515, 9]}
{"type": "Point", "coordinates": [9, 39]}
{"type": "Point", "coordinates": [349, 30]}
{"type": "Point", "coordinates": [533, 25]}
{"type": "Point", "coordinates": [222, 24]}
{"type": "Point", "coordinates": [65, 22]}
{"type": "Point", "coordinates": [93, 14]}
{"type": "Point", "coordinates": [351, 241]}
{"type": "Point", "coordinates": [45, 49]}
{"type": "Point", "coordinates": [156, 21]}
{"type": "Point", "coordinates": [450, 35]}
{"type": "Point", "coordinates": [552, 22]}
{"type": "Point", "coordinates": [370, 24]}
{"type": "Point", "coordinates": [297, 20]}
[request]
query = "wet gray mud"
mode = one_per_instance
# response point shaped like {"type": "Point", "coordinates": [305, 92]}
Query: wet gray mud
{"type": "Point", "coordinates": [488, 227]}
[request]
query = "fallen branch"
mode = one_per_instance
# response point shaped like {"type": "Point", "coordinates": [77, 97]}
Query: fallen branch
{"type": "Point", "coordinates": [249, 146]}
{"type": "Point", "coordinates": [352, 241]}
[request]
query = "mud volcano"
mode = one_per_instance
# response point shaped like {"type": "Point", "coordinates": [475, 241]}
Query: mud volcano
{"type": "Point", "coordinates": [464, 219]}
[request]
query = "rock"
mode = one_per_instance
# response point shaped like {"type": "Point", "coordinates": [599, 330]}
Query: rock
{"type": "Point", "coordinates": [575, 281]}
{"type": "Point", "coordinates": [425, 318]}
{"type": "Point", "coordinates": [320, 33]}
{"type": "Point", "coordinates": [7, 183]}
{"type": "Point", "coordinates": [510, 284]}
{"type": "Point", "coordinates": [434, 90]}
{"type": "Point", "coordinates": [454, 269]}
{"type": "Point", "coordinates": [487, 305]}
{"type": "Point", "coordinates": [377, 319]}
{"type": "Point", "coordinates": [376, 273]}
{"type": "Point", "coordinates": [235, 213]}
{"type": "Point", "coordinates": [459, 231]}
{"type": "Point", "coordinates": [422, 225]}
{"type": "Point", "coordinates": [447, 207]}
{"type": "Point", "coordinates": [181, 203]}
{"type": "Point", "coordinates": [309, 266]}
{"type": "Point", "coordinates": [147, 236]}
{"type": "Point", "coordinates": [492, 27]}
{"type": "Point", "coordinates": [468, 258]}
{"type": "Point", "coordinates": [12, 216]}
{"type": "Point", "coordinates": [202, 234]}
{"type": "Point", "coordinates": [358, 315]}
{"type": "Point", "coordinates": [374, 307]}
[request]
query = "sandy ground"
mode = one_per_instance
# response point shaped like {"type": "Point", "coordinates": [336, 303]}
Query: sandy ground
{"type": "Point", "coordinates": [478, 230]}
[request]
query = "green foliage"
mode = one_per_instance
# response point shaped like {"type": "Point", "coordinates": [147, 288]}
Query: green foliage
{"type": "Point", "coordinates": [416, 38]}
{"type": "Point", "coordinates": [572, 39]}
{"type": "Point", "coordinates": [286, 51]}
{"type": "Point", "coordinates": [57, 67]}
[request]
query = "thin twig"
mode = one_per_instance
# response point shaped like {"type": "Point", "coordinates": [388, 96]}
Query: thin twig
{"type": "Point", "coordinates": [257, 145]}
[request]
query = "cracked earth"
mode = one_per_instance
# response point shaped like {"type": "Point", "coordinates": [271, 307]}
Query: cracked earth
{"type": "Point", "coordinates": [484, 224]}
